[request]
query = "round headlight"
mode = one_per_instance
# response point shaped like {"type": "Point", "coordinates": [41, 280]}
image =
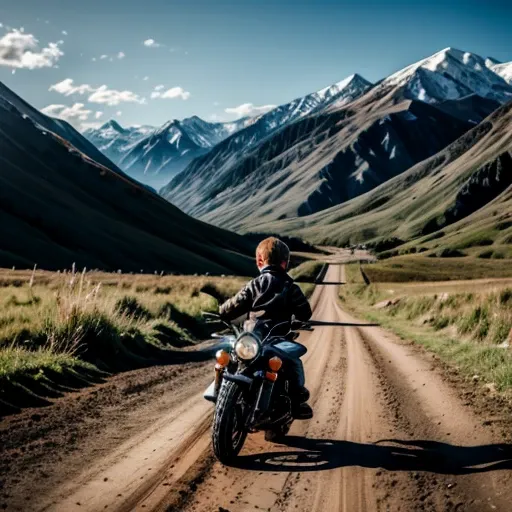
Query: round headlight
{"type": "Point", "coordinates": [247, 347]}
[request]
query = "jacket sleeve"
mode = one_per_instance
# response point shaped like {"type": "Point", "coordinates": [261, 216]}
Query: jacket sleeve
{"type": "Point", "coordinates": [238, 305]}
{"type": "Point", "coordinates": [300, 304]}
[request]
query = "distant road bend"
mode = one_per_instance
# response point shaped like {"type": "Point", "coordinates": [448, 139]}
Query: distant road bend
{"type": "Point", "coordinates": [389, 433]}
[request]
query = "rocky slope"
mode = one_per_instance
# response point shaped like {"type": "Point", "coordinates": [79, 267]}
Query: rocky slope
{"type": "Point", "coordinates": [457, 199]}
{"type": "Point", "coordinates": [342, 149]}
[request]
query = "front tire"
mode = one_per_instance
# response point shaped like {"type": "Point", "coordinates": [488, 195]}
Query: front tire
{"type": "Point", "coordinates": [229, 431]}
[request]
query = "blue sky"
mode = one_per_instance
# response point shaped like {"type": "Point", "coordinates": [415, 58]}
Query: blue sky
{"type": "Point", "coordinates": [211, 55]}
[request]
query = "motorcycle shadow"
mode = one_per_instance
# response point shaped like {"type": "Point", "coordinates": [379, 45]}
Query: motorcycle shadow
{"type": "Point", "coordinates": [390, 454]}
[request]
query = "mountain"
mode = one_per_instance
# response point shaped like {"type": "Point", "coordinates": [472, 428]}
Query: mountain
{"type": "Point", "coordinates": [504, 69]}
{"type": "Point", "coordinates": [154, 155]}
{"type": "Point", "coordinates": [340, 150]}
{"type": "Point", "coordinates": [448, 75]}
{"type": "Point", "coordinates": [460, 198]}
{"type": "Point", "coordinates": [113, 140]}
{"type": "Point", "coordinates": [56, 126]}
{"type": "Point", "coordinates": [59, 206]}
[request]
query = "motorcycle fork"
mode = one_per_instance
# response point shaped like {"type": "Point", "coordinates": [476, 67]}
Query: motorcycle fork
{"type": "Point", "coordinates": [264, 396]}
{"type": "Point", "coordinates": [219, 374]}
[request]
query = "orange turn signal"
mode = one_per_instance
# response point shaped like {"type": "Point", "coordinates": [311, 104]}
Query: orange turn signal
{"type": "Point", "coordinates": [271, 376]}
{"type": "Point", "coordinates": [275, 363]}
{"type": "Point", "coordinates": [222, 357]}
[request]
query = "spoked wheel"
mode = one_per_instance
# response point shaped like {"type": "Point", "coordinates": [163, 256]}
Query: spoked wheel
{"type": "Point", "coordinates": [229, 431]}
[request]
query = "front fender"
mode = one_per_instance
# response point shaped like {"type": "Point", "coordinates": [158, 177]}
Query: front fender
{"type": "Point", "coordinates": [242, 379]}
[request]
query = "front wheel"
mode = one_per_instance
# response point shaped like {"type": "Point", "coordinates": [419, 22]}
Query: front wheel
{"type": "Point", "coordinates": [229, 431]}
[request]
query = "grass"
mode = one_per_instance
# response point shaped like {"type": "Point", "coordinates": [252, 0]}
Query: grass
{"type": "Point", "coordinates": [75, 321]}
{"type": "Point", "coordinates": [308, 272]}
{"type": "Point", "coordinates": [415, 267]}
{"type": "Point", "coordinates": [471, 330]}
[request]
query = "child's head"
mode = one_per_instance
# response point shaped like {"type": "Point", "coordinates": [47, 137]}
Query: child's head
{"type": "Point", "coordinates": [272, 251]}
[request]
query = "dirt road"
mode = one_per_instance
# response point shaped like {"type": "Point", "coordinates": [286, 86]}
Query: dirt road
{"type": "Point", "coordinates": [389, 433]}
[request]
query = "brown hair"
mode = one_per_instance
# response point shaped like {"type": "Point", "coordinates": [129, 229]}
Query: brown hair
{"type": "Point", "coordinates": [273, 251]}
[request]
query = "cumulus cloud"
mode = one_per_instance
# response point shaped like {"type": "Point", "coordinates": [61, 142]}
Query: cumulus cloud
{"type": "Point", "coordinates": [97, 115]}
{"type": "Point", "coordinates": [103, 57]}
{"type": "Point", "coordinates": [67, 88]}
{"type": "Point", "coordinates": [172, 93]}
{"type": "Point", "coordinates": [87, 126]}
{"type": "Point", "coordinates": [146, 78]}
{"type": "Point", "coordinates": [21, 50]}
{"type": "Point", "coordinates": [72, 114]}
{"type": "Point", "coordinates": [112, 97]}
{"type": "Point", "coordinates": [248, 109]}
{"type": "Point", "coordinates": [64, 33]}
{"type": "Point", "coordinates": [151, 43]}
{"type": "Point", "coordinates": [102, 94]}
{"type": "Point", "coordinates": [121, 55]}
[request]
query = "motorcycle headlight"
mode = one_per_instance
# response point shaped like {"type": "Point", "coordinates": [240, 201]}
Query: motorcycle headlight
{"type": "Point", "coordinates": [247, 347]}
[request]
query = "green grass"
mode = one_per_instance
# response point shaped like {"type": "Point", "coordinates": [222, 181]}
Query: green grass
{"type": "Point", "coordinates": [422, 268]}
{"type": "Point", "coordinates": [468, 330]}
{"type": "Point", "coordinates": [58, 322]}
{"type": "Point", "coordinates": [308, 272]}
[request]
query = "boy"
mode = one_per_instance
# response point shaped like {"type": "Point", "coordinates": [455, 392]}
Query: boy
{"type": "Point", "coordinates": [270, 299]}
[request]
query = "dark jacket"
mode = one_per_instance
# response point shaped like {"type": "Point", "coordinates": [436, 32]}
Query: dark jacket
{"type": "Point", "coordinates": [267, 300]}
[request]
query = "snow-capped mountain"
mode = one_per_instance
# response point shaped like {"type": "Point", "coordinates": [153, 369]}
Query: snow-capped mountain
{"type": "Point", "coordinates": [154, 155]}
{"type": "Point", "coordinates": [504, 69]}
{"type": "Point", "coordinates": [338, 94]}
{"type": "Point", "coordinates": [448, 75]}
{"type": "Point", "coordinates": [338, 143]}
{"type": "Point", "coordinates": [115, 141]}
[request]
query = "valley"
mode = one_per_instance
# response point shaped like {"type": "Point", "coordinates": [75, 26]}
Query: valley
{"type": "Point", "coordinates": [395, 198]}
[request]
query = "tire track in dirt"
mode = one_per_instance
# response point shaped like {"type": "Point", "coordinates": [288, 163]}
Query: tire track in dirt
{"type": "Point", "coordinates": [379, 439]}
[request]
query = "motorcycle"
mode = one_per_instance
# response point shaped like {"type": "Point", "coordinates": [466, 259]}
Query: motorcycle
{"type": "Point", "coordinates": [251, 388]}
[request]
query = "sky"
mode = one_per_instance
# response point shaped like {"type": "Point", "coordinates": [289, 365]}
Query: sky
{"type": "Point", "coordinates": [149, 61]}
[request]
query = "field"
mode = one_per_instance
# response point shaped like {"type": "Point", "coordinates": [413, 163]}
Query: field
{"type": "Point", "coordinates": [62, 328]}
{"type": "Point", "coordinates": [466, 323]}
{"type": "Point", "coordinates": [421, 268]}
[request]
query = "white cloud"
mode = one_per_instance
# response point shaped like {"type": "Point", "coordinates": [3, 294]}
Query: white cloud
{"type": "Point", "coordinates": [248, 109]}
{"type": "Point", "coordinates": [121, 55]}
{"type": "Point", "coordinates": [94, 59]}
{"type": "Point", "coordinates": [102, 94]}
{"type": "Point", "coordinates": [159, 87]}
{"type": "Point", "coordinates": [67, 88]}
{"type": "Point", "coordinates": [87, 126]}
{"type": "Point", "coordinates": [151, 43]}
{"type": "Point", "coordinates": [103, 57]}
{"type": "Point", "coordinates": [64, 33]}
{"type": "Point", "coordinates": [72, 114]}
{"type": "Point", "coordinates": [119, 113]}
{"type": "Point", "coordinates": [172, 93]}
{"type": "Point", "coordinates": [146, 78]}
{"type": "Point", "coordinates": [216, 103]}
{"type": "Point", "coordinates": [97, 115]}
{"type": "Point", "coordinates": [20, 50]}
{"type": "Point", "coordinates": [112, 97]}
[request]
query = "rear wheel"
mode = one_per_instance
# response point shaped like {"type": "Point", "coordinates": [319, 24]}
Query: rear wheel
{"type": "Point", "coordinates": [229, 431]}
